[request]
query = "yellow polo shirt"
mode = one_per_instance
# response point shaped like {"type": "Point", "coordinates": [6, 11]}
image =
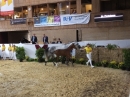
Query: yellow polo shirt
{"type": "Point", "coordinates": [13, 49]}
{"type": "Point", "coordinates": [3, 48]}
{"type": "Point", "coordinates": [88, 49]}
{"type": "Point", "coordinates": [10, 48]}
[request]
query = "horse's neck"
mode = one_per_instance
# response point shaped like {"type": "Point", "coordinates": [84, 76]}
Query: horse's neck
{"type": "Point", "coordinates": [70, 48]}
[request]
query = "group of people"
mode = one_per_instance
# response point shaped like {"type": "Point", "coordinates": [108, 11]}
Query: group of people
{"type": "Point", "coordinates": [56, 41]}
{"type": "Point", "coordinates": [45, 40]}
{"type": "Point", "coordinates": [11, 50]}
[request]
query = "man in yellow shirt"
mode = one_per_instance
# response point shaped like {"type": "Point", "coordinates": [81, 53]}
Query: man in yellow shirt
{"type": "Point", "coordinates": [88, 50]}
{"type": "Point", "coordinates": [10, 51]}
{"type": "Point", "coordinates": [13, 52]}
{"type": "Point", "coordinates": [3, 52]}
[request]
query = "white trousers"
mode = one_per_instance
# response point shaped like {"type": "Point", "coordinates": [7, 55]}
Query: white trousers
{"type": "Point", "coordinates": [3, 55]}
{"type": "Point", "coordinates": [89, 58]}
{"type": "Point", "coordinates": [14, 55]}
{"type": "Point", "coordinates": [10, 55]}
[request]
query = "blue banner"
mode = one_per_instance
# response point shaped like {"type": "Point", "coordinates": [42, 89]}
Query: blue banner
{"type": "Point", "coordinates": [43, 19]}
{"type": "Point", "coordinates": [18, 21]}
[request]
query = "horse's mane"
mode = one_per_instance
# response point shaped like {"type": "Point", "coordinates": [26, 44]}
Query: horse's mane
{"type": "Point", "coordinates": [68, 45]}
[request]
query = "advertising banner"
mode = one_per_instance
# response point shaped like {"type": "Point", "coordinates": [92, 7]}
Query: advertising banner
{"type": "Point", "coordinates": [109, 17]}
{"type": "Point", "coordinates": [71, 19]}
{"type": "Point", "coordinates": [18, 21]}
{"type": "Point", "coordinates": [7, 7]}
{"type": "Point", "coordinates": [47, 21]}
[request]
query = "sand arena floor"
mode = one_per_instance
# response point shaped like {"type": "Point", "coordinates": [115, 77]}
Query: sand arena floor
{"type": "Point", "coordinates": [33, 79]}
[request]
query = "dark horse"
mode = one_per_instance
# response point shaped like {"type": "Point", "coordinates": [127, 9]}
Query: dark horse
{"type": "Point", "coordinates": [56, 52]}
{"type": "Point", "coordinates": [64, 52]}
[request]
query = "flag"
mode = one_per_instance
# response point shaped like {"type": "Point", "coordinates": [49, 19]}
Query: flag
{"type": "Point", "coordinates": [7, 7]}
{"type": "Point", "coordinates": [9, 2]}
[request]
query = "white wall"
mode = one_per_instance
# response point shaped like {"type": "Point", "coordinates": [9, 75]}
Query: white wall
{"type": "Point", "coordinates": [30, 48]}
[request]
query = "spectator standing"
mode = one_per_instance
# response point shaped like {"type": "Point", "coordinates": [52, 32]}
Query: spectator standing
{"type": "Point", "coordinates": [45, 39]}
{"type": "Point", "coordinates": [13, 52]}
{"type": "Point", "coordinates": [10, 51]}
{"type": "Point", "coordinates": [3, 52]}
{"type": "Point", "coordinates": [34, 39]}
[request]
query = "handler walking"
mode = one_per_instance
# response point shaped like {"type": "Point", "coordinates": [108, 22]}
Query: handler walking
{"type": "Point", "coordinates": [88, 50]}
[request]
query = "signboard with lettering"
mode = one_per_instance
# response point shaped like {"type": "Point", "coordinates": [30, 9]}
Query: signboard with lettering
{"type": "Point", "coordinates": [67, 19]}
{"type": "Point", "coordinates": [71, 19]}
{"type": "Point", "coordinates": [108, 18]}
{"type": "Point", "coordinates": [47, 21]}
{"type": "Point", "coordinates": [18, 21]}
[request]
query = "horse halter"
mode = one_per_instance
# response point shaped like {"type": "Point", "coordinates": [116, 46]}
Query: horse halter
{"type": "Point", "coordinates": [72, 46]}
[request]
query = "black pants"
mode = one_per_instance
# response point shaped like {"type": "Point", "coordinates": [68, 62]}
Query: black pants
{"type": "Point", "coordinates": [33, 42]}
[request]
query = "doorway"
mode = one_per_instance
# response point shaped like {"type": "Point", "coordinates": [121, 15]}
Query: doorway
{"type": "Point", "coordinates": [13, 36]}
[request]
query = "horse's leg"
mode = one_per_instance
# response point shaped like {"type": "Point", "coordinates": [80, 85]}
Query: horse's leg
{"type": "Point", "coordinates": [63, 59]}
{"type": "Point", "coordinates": [67, 58]}
{"type": "Point", "coordinates": [53, 59]}
{"type": "Point", "coordinates": [70, 58]}
{"type": "Point", "coordinates": [67, 61]}
{"type": "Point", "coordinates": [72, 61]}
{"type": "Point", "coordinates": [56, 63]}
{"type": "Point", "coordinates": [46, 57]}
{"type": "Point", "coordinates": [45, 61]}
{"type": "Point", "coordinates": [56, 57]}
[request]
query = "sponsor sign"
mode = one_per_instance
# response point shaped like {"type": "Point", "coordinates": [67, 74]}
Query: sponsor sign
{"type": "Point", "coordinates": [75, 19]}
{"type": "Point", "coordinates": [47, 21]}
{"type": "Point", "coordinates": [108, 18]}
{"type": "Point", "coordinates": [18, 21]}
{"type": "Point", "coordinates": [69, 19]}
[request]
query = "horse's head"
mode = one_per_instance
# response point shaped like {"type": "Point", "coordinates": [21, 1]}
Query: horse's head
{"type": "Point", "coordinates": [73, 46]}
{"type": "Point", "coordinates": [77, 46]}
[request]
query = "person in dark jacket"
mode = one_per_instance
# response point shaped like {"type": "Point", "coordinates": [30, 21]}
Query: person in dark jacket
{"type": "Point", "coordinates": [45, 39]}
{"type": "Point", "coordinates": [34, 39]}
{"type": "Point", "coordinates": [59, 41]}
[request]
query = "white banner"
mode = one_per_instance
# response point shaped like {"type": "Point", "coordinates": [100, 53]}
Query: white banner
{"type": "Point", "coordinates": [75, 19]}
{"type": "Point", "coordinates": [7, 7]}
